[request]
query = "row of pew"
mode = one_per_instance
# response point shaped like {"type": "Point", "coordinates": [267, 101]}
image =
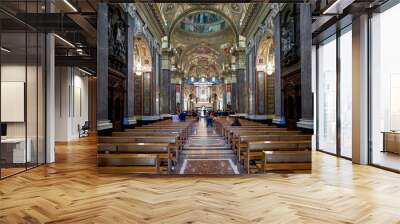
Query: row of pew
{"type": "Point", "coordinates": [261, 147]}
{"type": "Point", "coordinates": [152, 148]}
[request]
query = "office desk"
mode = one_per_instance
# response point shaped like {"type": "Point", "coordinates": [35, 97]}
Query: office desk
{"type": "Point", "coordinates": [15, 148]}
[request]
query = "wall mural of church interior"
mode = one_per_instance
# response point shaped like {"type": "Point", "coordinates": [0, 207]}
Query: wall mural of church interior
{"type": "Point", "coordinates": [183, 78]}
{"type": "Point", "coordinates": [117, 110]}
{"type": "Point", "coordinates": [183, 74]}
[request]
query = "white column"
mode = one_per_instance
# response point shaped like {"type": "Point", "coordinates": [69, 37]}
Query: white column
{"type": "Point", "coordinates": [360, 90]}
{"type": "Point", "coordinates": [50, 98]}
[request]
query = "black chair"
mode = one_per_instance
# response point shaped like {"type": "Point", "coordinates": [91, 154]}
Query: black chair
{"type": "Point", "coordinates": [84, 130]}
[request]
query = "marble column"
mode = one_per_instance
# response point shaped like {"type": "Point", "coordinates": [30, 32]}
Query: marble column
{"type": "Point", "coordinates": [279, 110]}
{"type": "Point", "coordinates": [181, 94]}
{"type": "Point", "coordinates": [224, 98]}
{"type": "Point", "coordinates": [307, 111]}
{"type": "Point", "coordinates": [234, 98]}
{"type": "Point", "coordinates": [157, 84]}
{"type": "Point", "coordinates": [165, 92]}
{"type": "Point", "coordinates": [242, 86]}
{"type": "Point", "coordinates": [103, 123]}
{"type": "Point", "coordinates": [360, 90]}
{"type": "Point", "coordinates": [130, 110]}
{"type": "Point", "coordinates": [165, 81]}
{"type": "Point", "coordinates": [251, 74]}
{"type": "Point", "coordinates": [172, 97]}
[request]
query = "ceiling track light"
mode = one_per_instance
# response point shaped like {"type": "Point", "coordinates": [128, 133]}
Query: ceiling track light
{"type": "Point", "coordinates": [85, 72]}
{"type": "Point", "coordinates": [70, 5]}
{"type": "Point", "coordinates": [64, 40]}
{"type": "Point", "coordinates": [5, 50]}
{"type": "Point", "coordinates": [337, 7]}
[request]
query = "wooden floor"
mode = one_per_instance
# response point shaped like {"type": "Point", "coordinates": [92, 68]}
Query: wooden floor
{"type": "Point", "coordinates": [72, 191]}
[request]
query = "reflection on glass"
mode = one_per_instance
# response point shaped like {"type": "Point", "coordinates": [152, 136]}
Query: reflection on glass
{"type": "Point", "coordinates": [15, 149]}
{"type": "Point", "coordinates": [327, 96]}
{"type": "Point", "coordinates": [385, 83]}
{"type": "Point", "coordinates": [346, 94]}
{"type": "Point", "coordinates": [22, 92]}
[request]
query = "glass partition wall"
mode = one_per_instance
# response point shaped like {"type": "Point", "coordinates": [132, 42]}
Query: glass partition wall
{"type": "Point", "coordinates": [327, 95]}
{"type": "Point", "coordinates": [22, 76]}
{"type": "Point", "coordinates": [385, 89]}
{"type": "Point", "coordinates": [334, 94]}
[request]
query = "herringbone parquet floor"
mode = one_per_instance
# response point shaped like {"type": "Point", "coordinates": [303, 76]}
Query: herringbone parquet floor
{"type": "Point", "coordinates": [72, 191]}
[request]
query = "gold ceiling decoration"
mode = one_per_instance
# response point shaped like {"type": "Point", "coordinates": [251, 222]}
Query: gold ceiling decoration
{"type": "Point", "coordinates": [203, 36]}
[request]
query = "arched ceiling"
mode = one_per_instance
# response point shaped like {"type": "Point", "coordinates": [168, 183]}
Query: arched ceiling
{"type": "Point", "coordinates": [175, 11]}
{"type": "Point", "coordinates": [265, 52]}
{"type": "Point", "coordinates": [203, 35]}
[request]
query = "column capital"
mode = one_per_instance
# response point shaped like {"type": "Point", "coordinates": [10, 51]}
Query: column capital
{"type": "Point", "coordinates": [240, 54]}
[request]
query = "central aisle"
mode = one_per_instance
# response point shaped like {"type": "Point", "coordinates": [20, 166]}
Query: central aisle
{"type": "Point", "coordinates": [206, 152]}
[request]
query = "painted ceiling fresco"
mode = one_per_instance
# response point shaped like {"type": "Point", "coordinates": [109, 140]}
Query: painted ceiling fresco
{"type": "Point", "coordinates": [202, 22]}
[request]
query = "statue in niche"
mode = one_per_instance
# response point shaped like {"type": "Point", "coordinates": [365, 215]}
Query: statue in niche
{"type": "Point", "coordinates": [288, 35]}
{"type": "Point", "coordinates": [117, 37]}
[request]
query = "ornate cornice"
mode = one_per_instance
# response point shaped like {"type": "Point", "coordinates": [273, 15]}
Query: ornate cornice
{"type": "Point", "coordinates": [249, 13]}
{"type": "Point", "coordinates": [259, 14]}
{"type": "Point", "coordinates": [157, 14]}
{"type": "Point", "coordinates": [148, 12]}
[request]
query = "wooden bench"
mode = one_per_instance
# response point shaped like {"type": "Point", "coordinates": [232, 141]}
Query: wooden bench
{"type": "Point", "coordinates": [132, 155]}
{"type": "Point", "coordinates": [229, 132]}
{"type": "Point", "coordinates": [174, 144]}
{"type": "Point", "coordinates": [242, 141]}
{"type": "Point", "coordinates": [235, 135]}
{"type": "Point", "coordinates": [144, 133]}
{"type": "Point", "coordinates": [286, 160]}
{"type": "Point", "coordinates": [255, 149]}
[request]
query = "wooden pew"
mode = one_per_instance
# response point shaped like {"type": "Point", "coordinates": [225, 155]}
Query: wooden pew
{"type": "Point", "coordinates": [242, 141]}
{"type": "Point", "coordinates": [286, 160]}
{"type": "Point", "coordinates": [173, 142]}
{"type": "Point", "coordinates": [255, 149]}
{"type": "Point", "coordinates": [235, 135]}
{"type": "Point", "coordinates": [229, 131]}
{"type": "Point", "coordinates": [131, 155]}
{"type": "Point", "coordinates": [144, 133]}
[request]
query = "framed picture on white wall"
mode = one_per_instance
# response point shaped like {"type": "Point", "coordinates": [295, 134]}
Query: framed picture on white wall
{"type": "Point", "coordinates": [12, 101]}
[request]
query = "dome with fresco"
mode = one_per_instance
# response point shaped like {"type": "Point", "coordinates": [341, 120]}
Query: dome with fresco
{"type": "Point", "coordinates": [203, 22]}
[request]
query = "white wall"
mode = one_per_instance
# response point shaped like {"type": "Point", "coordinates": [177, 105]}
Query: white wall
{"type": "Point", "coordinates": [34, 125]}
{"type": "Point", "coordinates": [71, 103]}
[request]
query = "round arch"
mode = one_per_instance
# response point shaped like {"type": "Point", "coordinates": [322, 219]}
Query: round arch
{"type": "Point", "coordinates": [142, 54]}
{"type": "Point", "coordinates": [194, 10]}
{"type": "Point", "coordinates": [265, 59]}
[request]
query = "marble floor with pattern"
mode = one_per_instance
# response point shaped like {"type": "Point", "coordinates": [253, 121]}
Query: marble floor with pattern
{"type": "Point", "coordinates": [206, 152]}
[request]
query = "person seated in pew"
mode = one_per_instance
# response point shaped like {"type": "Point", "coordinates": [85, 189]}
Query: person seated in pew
{"type": "Point", "coordinates": [182, 116]}
{"type": "Point", "coordinates": [195, 117]}
{"type": "Point", "coordinates": [210, 120]}
{"type": "Point", "coordinates": [236, 122]}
